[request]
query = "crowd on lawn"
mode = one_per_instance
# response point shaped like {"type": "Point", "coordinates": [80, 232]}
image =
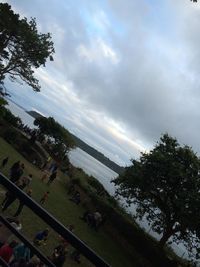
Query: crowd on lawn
{"type": "Point", "coordinates": [18, 254]}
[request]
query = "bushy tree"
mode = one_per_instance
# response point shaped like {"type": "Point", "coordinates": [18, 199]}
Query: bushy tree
{"type": "Point", "coordinates": [165, 186]}
{"type": "Point", "coordinates": [51, 128]}
{"type": "Point", "coordinates": [22, 48]}
{"type": "Point", "coordinates": [3, 103]}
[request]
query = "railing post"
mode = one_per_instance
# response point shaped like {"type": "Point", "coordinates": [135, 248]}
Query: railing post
{"type": "Point", "coordinates": [43, 258]}
{"type": "Point", "coordinates": [54, 223]}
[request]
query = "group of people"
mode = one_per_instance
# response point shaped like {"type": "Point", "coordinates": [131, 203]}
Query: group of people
{"type": "Point", "coordinates": [14, 253]}
{"type": "Point", "coordinates": [22, 182]}
{"type": "Point", "coordinates": [61, 251]}
{"type": "Point", "coordinates": [58, 256]}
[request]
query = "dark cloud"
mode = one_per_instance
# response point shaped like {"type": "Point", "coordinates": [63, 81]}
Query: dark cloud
{"type": "Point", "coordinates": [124, 72]}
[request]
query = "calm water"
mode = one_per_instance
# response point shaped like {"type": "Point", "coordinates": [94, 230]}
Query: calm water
{"type": "Point", "coordinates": [93, 167]}
{"type": "Point", "coordinates": [77, 157]}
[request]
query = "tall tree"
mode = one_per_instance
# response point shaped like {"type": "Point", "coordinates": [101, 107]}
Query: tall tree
{"type": "Point", "coordinates": [22, 48]}
{"type": "Point", "coordinates": [165, 186]}
{"type": "Point", "coordinates": [51, 128]}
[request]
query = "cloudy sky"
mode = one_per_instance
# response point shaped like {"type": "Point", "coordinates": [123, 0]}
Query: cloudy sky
{"type": "Point", "coordinates": [124, 71]}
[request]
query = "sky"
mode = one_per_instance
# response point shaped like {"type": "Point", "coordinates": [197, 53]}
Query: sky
{"type": "Point", "coordinates": [124, 71]}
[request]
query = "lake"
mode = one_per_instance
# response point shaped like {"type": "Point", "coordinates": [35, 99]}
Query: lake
{"type": "Point", "coordinates": [91, 166]}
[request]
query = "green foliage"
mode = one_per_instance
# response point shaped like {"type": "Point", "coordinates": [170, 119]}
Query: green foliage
{"type": "Point", "coordinates": [51, 128]}
{"type": "Point", "coordinates": [22, 48]}
{"type": "Point", "coordinates": [3, 103]}
{"type": "Point", "coordinates": [10, 118]}
{"type": "Point", "coordinates": [11, 136]}
{"type": "Point", "coordinates": [96, 184]}
{"type": "Point", "coordinates": [165, 186]}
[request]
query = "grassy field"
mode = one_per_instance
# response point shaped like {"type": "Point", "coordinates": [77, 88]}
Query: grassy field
{"type": "Point", "coordinates": [67, 212]}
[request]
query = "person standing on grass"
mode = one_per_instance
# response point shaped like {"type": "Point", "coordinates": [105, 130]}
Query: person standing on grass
{"type": "Point", "coordinates": [17, 173]}
{"type": "Point", "coordinates": [52, 177]}
{"type": "Point", "coordinates": [21, 204]}
{"type": "Point", "coordinates": [44, 198]}
{"type": "Point", "coordinates": [11, 197]}
{"type": "Point", "coordinates": [4, 162]}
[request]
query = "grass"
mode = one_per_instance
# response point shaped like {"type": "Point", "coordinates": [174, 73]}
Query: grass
{"type": "Point", "coordinates": [67, 212]}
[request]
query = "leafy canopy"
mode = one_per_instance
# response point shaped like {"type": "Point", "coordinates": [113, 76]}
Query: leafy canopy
{"type": "Point", "coordinates": [22, 48]}
{"type": "Point", "coordinates": [51, 128]}
{"type": "Point", "coordinates": [165, 186]}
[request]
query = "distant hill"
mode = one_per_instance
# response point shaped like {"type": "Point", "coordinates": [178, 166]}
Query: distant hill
{"type": "Point", "coordinates": [98, 155]}
{"type": "Point", "coordinates": [88, 149]}
{"type": "Point", "coordinates": [34, 114]}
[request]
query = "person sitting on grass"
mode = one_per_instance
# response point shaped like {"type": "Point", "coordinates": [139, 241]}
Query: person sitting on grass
{"type": "Point", "coordinates": [76, 256]}
{"type": "Point", "coordinates": [44, 198]}
{"type": "Point", "coordinates": [59, 255]}
{"type": "Point", "coordinates": [6, 251]}
{"type": "Point", "coordinates": [21, 251]}
{"type": "Point", "coordinates": [5, 233]}
{"type": "Point", "coordinates": [4, 162]}
{"type": "Point", "coordinates": [41, 237]}
{"type": "Point", "coordinates": [64, 241]}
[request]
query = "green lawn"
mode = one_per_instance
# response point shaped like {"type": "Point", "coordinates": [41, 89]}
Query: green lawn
{"type": "Point", "coordinates": [64, 210]}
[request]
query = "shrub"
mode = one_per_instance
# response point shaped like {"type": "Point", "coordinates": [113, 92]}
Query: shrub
{"type": "Point", "coordinates": [11, 136]}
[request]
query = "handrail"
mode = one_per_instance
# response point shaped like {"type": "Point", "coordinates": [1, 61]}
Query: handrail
{"type": "Point", "coordinates": [3, 263]}
{"type": "Point", "coordinates": [43, 258]}
{"type": "Point", "coordinates": [54, 223]}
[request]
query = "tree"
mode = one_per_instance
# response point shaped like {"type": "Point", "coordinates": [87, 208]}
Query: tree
{"type": "Point", "coordinates": [3, 103]}
{"type": "Point", "coordinates": [165, 186]}
{"type": "Point", "coordinates": [51, 128]}
{"type": "Point", "coordinates": [22, 48]}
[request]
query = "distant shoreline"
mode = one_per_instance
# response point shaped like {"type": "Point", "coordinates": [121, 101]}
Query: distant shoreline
{"type": "Point", "coordinates": [81, 144]}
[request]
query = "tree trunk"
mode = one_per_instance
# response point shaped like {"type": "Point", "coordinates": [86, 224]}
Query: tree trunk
{"type": "Point", "coordinates": [166, 235]}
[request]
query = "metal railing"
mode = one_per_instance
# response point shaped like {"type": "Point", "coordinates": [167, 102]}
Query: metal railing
{"type": "Point", "coordinates": [3, 263]}
{"type": "Point", "coordinates": [33, 249]}
{"type": "Point", "coordinates": [54, 223]}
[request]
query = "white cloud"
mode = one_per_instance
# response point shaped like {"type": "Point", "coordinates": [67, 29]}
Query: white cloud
{"type": "Point", "coordinates": [97, 52]}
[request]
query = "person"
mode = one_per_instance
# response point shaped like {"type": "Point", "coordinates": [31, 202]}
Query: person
{"type": "Point", "coordinates": [19, 263]}
{"type": "Point", "coordinates": [52, 177]}
{"type": "Point", "coordinates": [6, 251]}
{"type": "Point", "coordinates": [64, 241]}
{"type": "Point", "coordinates": [44, 197]}
{"type": "Point", "coordinates": [97, 219]}
{"type": "Point", "coordinates": [10, 198]}
{"type": "Point", "coordinates": [16, 173]}
{"type": "Point", "coordinates": [41, 237]}
{"type": "Point", "coordinates": [59, 255]}
{"type": "Point", "coordinates": [21, 204]}
{"type": "Point", "coordinates": [76, 256]}
{"type": "Point", "coordinates": [21, 252]}
{"type": "Point", "coordinates": [45, 175]}
{"type": "Point", "coordinates": [4, 162]}
{"type": "Point", "coordinates": [5, 233]}
{"type": "Point", "coordinates": [27, 179]}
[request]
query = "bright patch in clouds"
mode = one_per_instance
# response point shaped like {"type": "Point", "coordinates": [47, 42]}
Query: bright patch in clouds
{"type": "Point", "coordinates": [124, 72]}
{"type": "Point", "coordinates": [98, 52]}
